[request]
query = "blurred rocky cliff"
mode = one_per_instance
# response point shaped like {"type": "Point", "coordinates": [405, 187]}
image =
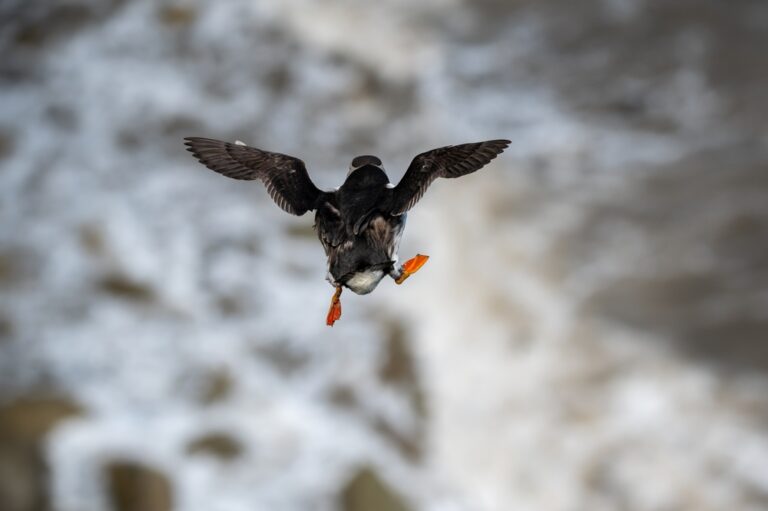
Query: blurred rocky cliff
{"type": "Point", "coordinates": [591, 331]}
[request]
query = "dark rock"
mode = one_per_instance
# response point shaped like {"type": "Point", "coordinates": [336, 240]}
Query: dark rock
{"type": "Point", "coordinates": [123, 287]}
{"type": "Point", "coordinates": [409, 444]}
{"type": "Point", "coordinates": [399, 368]}
{"type": "Point", "coordinates": [63, 19]}
{"type": "Point", "coordinates": [136, 487]}
{"type": "Point", "coordinates": [229, 305]}
{"type": "Point", "coordinates": [216, 387]}
{"type": "Point", "coordinates": [367, 492]}
{"type": "Point", "coordinates": [177, 15]}
{"type": "Point", "coordinates": [219, 445]}
{"type": "Point", "coordinates": [128, 139]}
{"type": "Point", "coordinates": [17, 266]}
{"type": "Point", "coordinates": [38, 27]}
{"type": "Point", "coordinates": [23, 479]}
{"type": "Point", "coordinates": [282, 356]}
{"type": "Point", "coordinates": [92, 240]}
{"type": "Point", "coordinates": [278, 79]}
{"type": "Point", "coordinates": [7, 329]}
{"type": "Point", "coordinates": [6, 143]}
{"type": "Point", "coordinates": [24, 423]}
{"type": "Point", "coordinates": [28, 420]}
{"type": "Point", "coordinates": [711, 311]}
{"type": "Point", "coordinates": [179, 126]}
{"type": "Point", "coordinates": [62, 116]}
{"type": "Point", "coordinates": [343, 396]}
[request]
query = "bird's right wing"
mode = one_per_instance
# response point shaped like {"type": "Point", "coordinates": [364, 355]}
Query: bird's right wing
{"type": "Point", "coordinates": [449, 161]}
{"type": "Point", "coordinates": [285, 177]}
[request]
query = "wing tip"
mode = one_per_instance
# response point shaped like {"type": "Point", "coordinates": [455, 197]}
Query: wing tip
{"type": "Point", "coordinates": [497, 146]}
{"type": "Point", "coordinates": [189, 144]}
{"type": "Point", "coordinates": [192, 142]}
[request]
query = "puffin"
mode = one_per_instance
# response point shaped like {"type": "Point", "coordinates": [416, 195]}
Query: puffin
{"type": "Point", "coordinates": [360, 223]}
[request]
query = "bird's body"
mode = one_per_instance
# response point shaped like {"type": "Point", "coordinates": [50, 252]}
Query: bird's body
{"type": "Point", "coordinates": [359, 237]}
{"type": "Point", "coordinates": [360, 223]}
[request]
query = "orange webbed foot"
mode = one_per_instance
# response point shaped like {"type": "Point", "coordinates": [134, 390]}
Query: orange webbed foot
{"type": "Point", "coordinates": [334, 312]}
{"type": "Point", "coordinates": [411, 266]}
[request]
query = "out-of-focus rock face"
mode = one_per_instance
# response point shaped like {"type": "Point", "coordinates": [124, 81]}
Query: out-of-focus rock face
{"type": "Point", "coordinates": [709, 272]}
{"type": "Point", "coordinates": [219, 445]}
{"type": "Point", "coordinates": [24, 472]}
{"type": "Point", "coordinates": [588, 334]}
{"type": "Point", "coordinates": [366, 492]}
{"type": "Point", "coordinates": [133, 487]}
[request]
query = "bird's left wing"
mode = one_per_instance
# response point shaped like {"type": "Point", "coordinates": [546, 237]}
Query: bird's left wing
{"type": "Point", "coordinates": [449, 161]}
{"type": "Point", "coordinates": [285, 177]}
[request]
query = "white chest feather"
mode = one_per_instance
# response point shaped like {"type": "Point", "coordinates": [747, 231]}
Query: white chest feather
{"type": "Point", "coordinates": [364, 282]}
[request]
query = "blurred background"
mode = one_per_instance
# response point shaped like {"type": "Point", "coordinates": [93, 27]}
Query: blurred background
{"type": "Point", "coordinates": [591, 331]}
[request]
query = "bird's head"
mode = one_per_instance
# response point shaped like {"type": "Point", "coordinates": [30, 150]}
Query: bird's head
{"type": "Point", "coordinates": [362, 161]}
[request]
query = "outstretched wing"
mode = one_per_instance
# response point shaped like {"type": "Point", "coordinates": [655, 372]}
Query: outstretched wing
{"type": "Point", "coordinates": [449, 161]}
{"type": "Point", "coordinates": [284, 176]}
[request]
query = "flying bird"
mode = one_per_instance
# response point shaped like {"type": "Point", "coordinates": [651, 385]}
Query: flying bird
{"type": "Point", "coordinates": [360, 223]}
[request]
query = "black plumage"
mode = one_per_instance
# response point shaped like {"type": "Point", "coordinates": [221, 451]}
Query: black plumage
{"type": "Point", "coordinates": [360, 223]}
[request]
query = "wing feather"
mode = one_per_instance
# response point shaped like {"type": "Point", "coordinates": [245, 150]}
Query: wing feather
{"type": "Point", "coordinates": [285, 177]}
{"type": "Point", "coordinates": [448, 162]}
